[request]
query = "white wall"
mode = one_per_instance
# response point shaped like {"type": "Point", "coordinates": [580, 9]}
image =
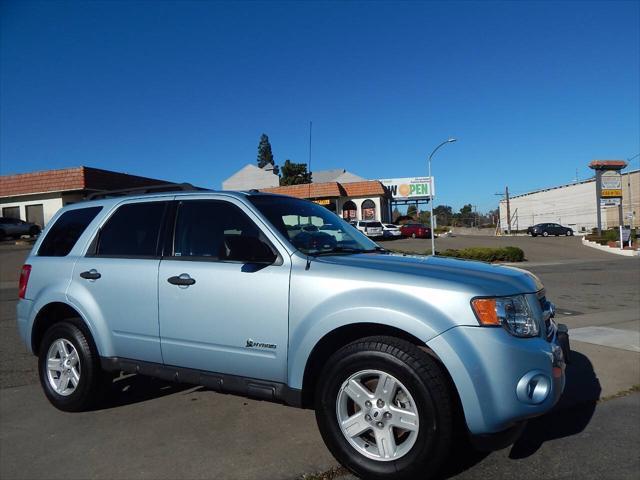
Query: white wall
{"type": "Point", "coordinates": [51, 203]}
{"type": "Point", "coordinates": [571, 205]}
{"type": "Point", "coordinates": [358, 202]}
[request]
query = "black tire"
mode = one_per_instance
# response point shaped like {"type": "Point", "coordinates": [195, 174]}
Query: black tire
{"type": "Point", "coordinates": [534, 234]}
{"type": "Point", "coordinates": [89, 387]}
{"type": "Point", "coordinates": [569, 233]}
{"type": "Point", "coordinates": [425, 379]}
{"type": "Point", "coordinates": [545, 234]}
{"type": "Point", "coordinates": [34, 231]}
{"type": "Point", "coordinates": [3, 234]}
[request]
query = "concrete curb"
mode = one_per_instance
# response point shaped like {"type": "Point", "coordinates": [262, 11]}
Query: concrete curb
{"type": "Point", "coordinates": [604, 248]}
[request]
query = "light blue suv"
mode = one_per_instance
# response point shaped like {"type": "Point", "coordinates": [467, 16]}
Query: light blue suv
{"type": "Point", "coordinates": [246, 293]}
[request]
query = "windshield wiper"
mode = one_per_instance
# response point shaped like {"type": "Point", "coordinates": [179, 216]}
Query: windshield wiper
{"type": "Point", "coordinates": [349, 251]}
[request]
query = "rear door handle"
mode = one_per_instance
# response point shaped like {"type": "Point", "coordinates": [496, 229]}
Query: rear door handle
{"type": "Point", "coordinates": [182, 280]}
{"type": "Point", "coordinates": [92, 274]}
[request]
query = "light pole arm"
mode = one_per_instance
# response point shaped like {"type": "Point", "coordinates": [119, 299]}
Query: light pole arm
{"type": "Point", "coordinates": [436, 149]}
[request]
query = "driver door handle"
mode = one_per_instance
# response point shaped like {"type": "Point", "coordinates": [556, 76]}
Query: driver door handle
{"type": "Point", "coordinates": [182, 280]}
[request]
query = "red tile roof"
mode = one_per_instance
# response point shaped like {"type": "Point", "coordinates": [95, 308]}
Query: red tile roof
{"type": "Point", "coordinates": [608, 164]}
{"type": "Point", "coordinates": [71, 179]}
{"type": "Point", "coordinates": [367, 188]}
{"type": "Point", "coordinates": [364, 189]}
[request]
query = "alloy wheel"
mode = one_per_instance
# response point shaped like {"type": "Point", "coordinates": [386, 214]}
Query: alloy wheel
{"type": "Point", "coordinates": [63, 367]}
{"type": "Point", "coordinates": [377, 415]}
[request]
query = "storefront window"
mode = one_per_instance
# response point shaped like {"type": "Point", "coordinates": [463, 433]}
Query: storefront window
{"type": "Point", "coordinates": [349, 211]}
{"type": "Point", "coordinates": [368, 210]}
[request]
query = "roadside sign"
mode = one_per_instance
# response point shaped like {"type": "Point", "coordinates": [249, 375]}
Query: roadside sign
{"type": "Point", "coordinates": [626, 233]}
{"type": "Point", "coordinates": [611, 185]}
{"type": "Point", "coordinates": [410, 188]}
{"type": "Point", "coordinates": [609, 202]}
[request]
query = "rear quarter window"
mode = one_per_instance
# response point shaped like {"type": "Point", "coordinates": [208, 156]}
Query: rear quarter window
{"type": "Point", "coordinates": [132, 231]}
{"type": "Point", "coordinates": [64, 233]}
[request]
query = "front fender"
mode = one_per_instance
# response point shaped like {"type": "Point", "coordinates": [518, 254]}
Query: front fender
{"type": "Point", "coordinates": [383, 307]}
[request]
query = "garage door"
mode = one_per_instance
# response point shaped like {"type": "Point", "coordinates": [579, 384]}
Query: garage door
{"type": "Point", "coordinates": [11, 212]}
{"type": "Point", "coordinates": [35, 214]}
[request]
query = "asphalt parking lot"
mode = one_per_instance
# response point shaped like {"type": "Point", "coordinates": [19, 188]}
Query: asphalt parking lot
{"type": "Point", "coordinates": [150, 429]}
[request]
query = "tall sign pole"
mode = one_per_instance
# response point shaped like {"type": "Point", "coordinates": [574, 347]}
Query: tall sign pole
{"type": "Point", "coordinates": [598, 200]}
{"type": "Point", "coordinates": [608, 188]}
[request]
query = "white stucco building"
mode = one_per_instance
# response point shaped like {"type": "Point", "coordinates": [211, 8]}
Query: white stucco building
{"type": "Point", "coordinates": [572, 205]}
{"type": "Point", "coordinates": [366, 200]}
{"type": "Point", "coordinates": [252, 176]}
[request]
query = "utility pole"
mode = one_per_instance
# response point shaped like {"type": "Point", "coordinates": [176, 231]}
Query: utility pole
{"type": "Point", "coordinates": [506, 194]}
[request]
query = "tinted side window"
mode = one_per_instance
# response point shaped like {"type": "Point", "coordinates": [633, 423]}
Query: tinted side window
{"type": "Point", "coordinates": [64, 234]}
{"type": "Point", "coordinates": [132, 231]}
{"type": "Point", "coordinates": [217, 230]}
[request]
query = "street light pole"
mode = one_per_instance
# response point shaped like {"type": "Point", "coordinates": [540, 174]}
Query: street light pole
{"type": "Point", "coordinates": [433, 240]}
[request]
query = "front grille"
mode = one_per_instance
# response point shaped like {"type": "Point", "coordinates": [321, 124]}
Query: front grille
{"type": "Point", "coordinates": [549, 324]}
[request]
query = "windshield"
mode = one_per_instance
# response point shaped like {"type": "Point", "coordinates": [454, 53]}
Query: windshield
{"type": "Point", "coordinates": [311, 228]}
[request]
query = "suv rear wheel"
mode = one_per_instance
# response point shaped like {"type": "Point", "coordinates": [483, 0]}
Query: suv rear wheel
{"type": "Point", "coordinates": [69, 368]}
{"type": "Point", "coordinates": [383, 408]}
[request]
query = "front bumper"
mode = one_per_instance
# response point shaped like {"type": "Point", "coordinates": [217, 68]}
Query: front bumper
{"type": "Point", "coordinates": [501, 380]}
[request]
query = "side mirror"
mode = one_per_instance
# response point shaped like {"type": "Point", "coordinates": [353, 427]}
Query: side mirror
{"type": "Point", "coordinates": [250, 250]}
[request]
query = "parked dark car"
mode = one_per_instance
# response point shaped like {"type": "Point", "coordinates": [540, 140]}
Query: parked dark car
{"type": "Point", "coordinates": [546, 229]}
{"type": "Point", "coordinates": [415, 230]}
{"type": "Point", "coordinates": [15, 228]}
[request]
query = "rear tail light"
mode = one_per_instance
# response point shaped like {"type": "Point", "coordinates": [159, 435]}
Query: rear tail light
{"type": "Point", "coordinates": [24, 279]}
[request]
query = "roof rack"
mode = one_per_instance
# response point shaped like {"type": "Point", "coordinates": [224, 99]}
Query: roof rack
{"type": "Point", "coordinates": [163, 187]}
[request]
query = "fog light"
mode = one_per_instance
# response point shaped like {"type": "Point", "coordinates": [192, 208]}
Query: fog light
{"type": "Point", "coordinates": [533, 387]}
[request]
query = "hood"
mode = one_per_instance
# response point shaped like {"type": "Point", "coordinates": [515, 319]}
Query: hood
{"type": "Point", "coordinates": [477, 278]}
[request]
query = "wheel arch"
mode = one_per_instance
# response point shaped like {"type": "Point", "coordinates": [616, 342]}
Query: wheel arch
{"type": "Point", "coordinates": [55, 312]}
{"type": "Point", "coordinates": [334, 340]}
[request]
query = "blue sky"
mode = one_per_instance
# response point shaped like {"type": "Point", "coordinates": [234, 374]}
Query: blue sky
{"type": "Point", "coordinates": [182, 90]}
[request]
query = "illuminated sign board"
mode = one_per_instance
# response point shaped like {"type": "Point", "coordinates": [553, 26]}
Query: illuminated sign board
{"type": "Point", "coordinates": [323, 201]}
{"type": "Point", "coordinates": [414, 188]}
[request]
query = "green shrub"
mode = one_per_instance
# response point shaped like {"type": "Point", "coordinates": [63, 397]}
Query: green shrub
{"type": "Point", "coordinates": [487, 254]}
{"type": "Point", "coordinates": [611, 235]}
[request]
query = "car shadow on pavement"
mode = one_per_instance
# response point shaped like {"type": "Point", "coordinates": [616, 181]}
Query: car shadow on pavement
{"type": "Point", "coordinates": [130, 389]}
{"type": "Point", "coordinates": [569, 417]}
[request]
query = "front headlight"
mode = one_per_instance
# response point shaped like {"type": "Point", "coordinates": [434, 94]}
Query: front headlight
{"type": "Point", "coordinates": [512, 313]}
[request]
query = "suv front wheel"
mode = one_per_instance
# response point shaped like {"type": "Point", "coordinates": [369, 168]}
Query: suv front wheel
{"type": "Point", "coordinates": [69, 368]}
{"type": "Point", "coordinates": [384, 409]}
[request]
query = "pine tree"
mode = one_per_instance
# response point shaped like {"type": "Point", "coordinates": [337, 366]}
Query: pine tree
{"type": "Point", "coordinates": [265, 155]}
{"type": "Point", "coordinates": [294, 173]}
